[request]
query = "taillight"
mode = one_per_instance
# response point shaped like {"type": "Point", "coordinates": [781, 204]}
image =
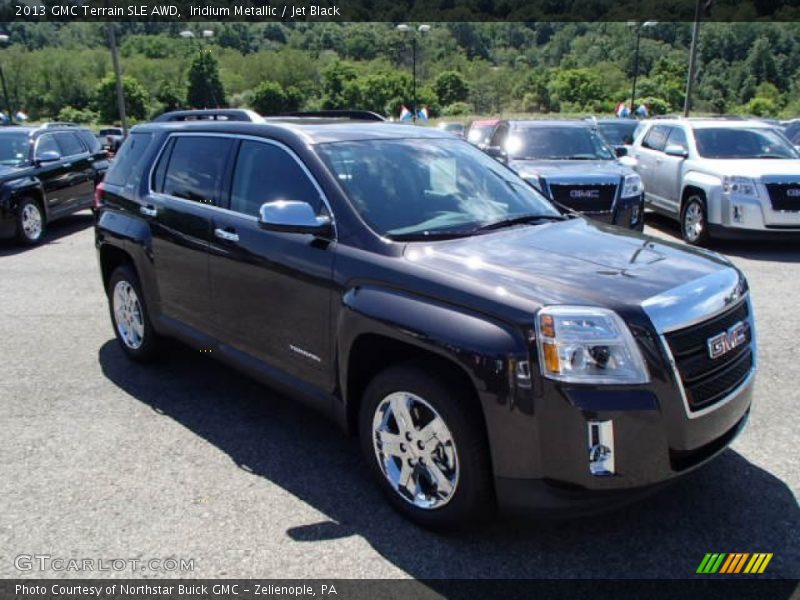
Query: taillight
{"type": "Point", "coordinates": [98, 195]}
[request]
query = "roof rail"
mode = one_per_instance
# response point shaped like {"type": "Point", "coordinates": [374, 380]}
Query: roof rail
{"type": "Point", "coordinates": [213, 114]}
{"type": "Point", "coordinates": [52, 124]}
{"type": "Point", "coordinates": [353, 115]}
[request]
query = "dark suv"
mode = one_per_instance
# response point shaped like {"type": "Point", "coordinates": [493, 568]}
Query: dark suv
{"type": "Point", "coordinates": [484, 346]}
{"type": "Point", "coordinates": [46, 173]}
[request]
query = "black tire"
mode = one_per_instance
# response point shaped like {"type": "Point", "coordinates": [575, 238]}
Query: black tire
{"type": "Point", "coordinates": [472, 497]}
{"type": "Point", "coordinates": [692, 233]}
{"type": "Point", "coordinates": [147, 347]}
{"type": "Point", "coordinates": [25, 233]}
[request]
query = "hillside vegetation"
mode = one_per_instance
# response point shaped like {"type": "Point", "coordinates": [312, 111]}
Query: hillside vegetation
{"type": "Point", "coordinates": [64, 70]}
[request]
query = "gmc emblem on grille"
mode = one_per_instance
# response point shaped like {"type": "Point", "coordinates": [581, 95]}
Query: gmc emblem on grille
{"type": "Point", "coordinates": [724, 342]}
{"type": "Point", "coordinates": [793, 192]}
{"type": "Point", "coordinates": [584, 194]}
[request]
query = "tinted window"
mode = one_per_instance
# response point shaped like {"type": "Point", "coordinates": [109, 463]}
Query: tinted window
{"type": "Point", "coordinates": [677, 137]}
{"type": "Point", "coordinates": [14, 147]}
{"type": "Point", "coordinates": [617, 133]}
{"type": "Point", "coordinates": [195, 168]}
{"type": "Point", "coordinates": [265, 173]}
{"type": "Point", "coordinates": [656, 138]}
{"type": "Point", "coordinates": [90, 140]}
{"type": "Point", "coordinates": [70, 144]}
{"type": "Point", "coordinates": [126, 166]}
{"type": "Point", "coordinates": [47, 143]}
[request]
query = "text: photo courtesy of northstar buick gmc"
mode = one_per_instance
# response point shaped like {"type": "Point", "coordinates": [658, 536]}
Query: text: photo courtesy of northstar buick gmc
{"type": "Point", "coordinates": [487, 349]}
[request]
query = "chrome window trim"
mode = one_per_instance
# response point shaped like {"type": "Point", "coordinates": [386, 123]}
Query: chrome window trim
{"type": "Point", "coordinates": [738, 390]}
{"type": "Point", "coordinates": [235, 136]}
{"type": "Point", "coordinates": [696, 301]}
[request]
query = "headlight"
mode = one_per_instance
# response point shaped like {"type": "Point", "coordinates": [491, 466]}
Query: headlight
{"type": "Point", "coordinates": [588, 345]}
{"type": "Point", "coordinates": [632, 186]}
{"type": "Point", "coordinates": [741, 186]}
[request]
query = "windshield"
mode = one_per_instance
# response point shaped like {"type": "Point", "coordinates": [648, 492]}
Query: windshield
{"type": "Point", "coordinates": [721, 142]}
{"type": "Point", "coordinates": [14, 148]}
{"type": "Point", "coordinates": [617, 133]}
{"type": "Point", "coordinates": [413, 188]}
{"type": "Point", "coordinates": [557, 143]}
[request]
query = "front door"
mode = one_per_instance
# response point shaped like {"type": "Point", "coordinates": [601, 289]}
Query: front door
{"type": "Point", "coordinates": [56, 176]}
{"type": "Point", "coordinates": [270, 291]}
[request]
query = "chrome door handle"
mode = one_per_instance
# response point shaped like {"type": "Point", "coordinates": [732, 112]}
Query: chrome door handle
{"type": "Point", "coordinates": [228, 236]}
{"type": "Point", "coordinates": [148, 211]}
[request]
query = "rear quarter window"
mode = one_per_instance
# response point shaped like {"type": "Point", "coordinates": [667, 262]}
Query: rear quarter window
{"type": "Point", "coordinates": [125, 169]}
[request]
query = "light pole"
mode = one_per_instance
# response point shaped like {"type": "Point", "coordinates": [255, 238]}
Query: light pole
{"type": "Point", "coordinates": [4, 40]}
{"type": "Point", "coordinates": [421, 29]}
{"type": "Point", "coordinates": [638, 29]}
{"type": "Point", "coordinates": [112, 42]}
{"type": "Point", "coordinates": [687, 101]}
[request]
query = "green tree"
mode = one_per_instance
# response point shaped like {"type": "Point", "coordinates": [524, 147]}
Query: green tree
{"type": "Point", "coordinates": [270, 98]}
{"type": "Point", "coordinates": [334, 79]}
{"type": "Point", "coordinates": [169, 96]}
{"type": "Point", "coordinates": [450, 87]}
{"type": "Point", "coordinates": [205, 86]}
{"type": "Point", "coordinates": [578, 87]}
{"type": "Point", "coordinates": [105, 99]}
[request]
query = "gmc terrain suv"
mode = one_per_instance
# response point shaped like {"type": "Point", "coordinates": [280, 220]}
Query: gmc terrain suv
{"type": "Point", "coordinates": [570, 163]}
{"type": "Point", "coordinates": [45, 173]}
{"type": "Point", "coordinates": [721, 178]}
{"type": "Point", "coordinates": [485, 347]}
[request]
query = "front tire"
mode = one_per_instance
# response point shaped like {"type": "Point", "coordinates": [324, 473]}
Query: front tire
{"type": "Point", "coordinates": [426, 447]}
{"type": "Point", "coordinates": [30, 222]}
{"type": "Point", "coordinates": [129, 315]}
{"type": "Point", "coordinates": [694, 221]}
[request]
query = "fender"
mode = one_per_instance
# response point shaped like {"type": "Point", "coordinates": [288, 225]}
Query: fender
{"type": "Point", "coordinates": [712, 186]}
{"type": "Point", "coordinates": [131, 235]}
{"type": "Point", "coordinates": [486, 349]}
{"type": "Point", "coordinates": [14, 189]}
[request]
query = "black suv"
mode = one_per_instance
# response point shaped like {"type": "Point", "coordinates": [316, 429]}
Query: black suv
{"type": "Point", "coordinates": [485, 347]}
{"type": "Point", "coordinates": [46, 173]}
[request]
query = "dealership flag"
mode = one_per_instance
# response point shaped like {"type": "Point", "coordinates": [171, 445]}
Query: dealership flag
{"type": "Point", "coordinates": [21, 116]}
{"type": "Point", "coordinates": [405, 114]}
{"type": "Point", "coordinates": [642, 110]}
{"type": "Point", "coordinates": [423, 114]}
{"type": "Point", "coordinates": [623, 111]}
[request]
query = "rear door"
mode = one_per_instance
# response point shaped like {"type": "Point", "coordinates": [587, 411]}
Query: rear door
{"type": "Point", "coordinates": [271, 291]}
{"type": "Point", "coordinates": [648, 159]}
{"type": "Point", "coordinates": [185, 191]}
{"type": "Point", "coordinates": [78, 163]}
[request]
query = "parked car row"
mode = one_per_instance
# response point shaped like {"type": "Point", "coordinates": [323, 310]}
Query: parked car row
{"type": "Point", "coordinates": [489, 347]}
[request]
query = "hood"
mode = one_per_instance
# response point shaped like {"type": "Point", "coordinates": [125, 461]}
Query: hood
{"type": "Point", "coordinates": [568, 262]}
{"type": "Point", "coordinates": [571, 171]}
{"type": "Point", "coordinates": [7, 171]}
{"type": "Point", "coordinates": [752, 167]}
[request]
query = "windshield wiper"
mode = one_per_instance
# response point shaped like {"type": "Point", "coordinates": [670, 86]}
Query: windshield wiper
{"type": "Point", "coordinates": [423, 236]}
{"type": "Point", "coordinates": [518, 220]}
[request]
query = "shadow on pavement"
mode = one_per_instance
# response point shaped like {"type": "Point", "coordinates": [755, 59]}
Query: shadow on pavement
{"type": "Point", "coordinates": [730, 505]}
{"type": "Point", "coordinates": [766, 250]}
{"type": "Point", "coordinates": [55, 232]}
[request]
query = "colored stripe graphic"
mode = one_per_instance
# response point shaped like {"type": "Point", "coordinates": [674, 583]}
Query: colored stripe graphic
{"type": "Point", "coordinates": [711, 562]}
{"type": "Point", "coordinates": [734, 563]}
{"type": "Point", "coordinates": [758, 563]}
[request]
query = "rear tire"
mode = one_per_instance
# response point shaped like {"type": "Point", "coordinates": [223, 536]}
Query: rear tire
{"type": "Point", "coordinates": [694, 221]}
{"type": "Point", "coordinates": [30, 222]}
{"type": "Point", "coordinates": [129, 315]}
{"type": "Point", "coordinates": [434, 470]}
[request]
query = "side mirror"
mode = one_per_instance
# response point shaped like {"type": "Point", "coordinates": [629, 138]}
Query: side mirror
{"type": "Point", "coordinates": [621, 151]}
{"type": "Point", "coordinates": [497, 153]}
{"type": "Point", "coordinates": [675, 150]}
{"type": "Point", "coordinates": [48, 156]}
{"type": "Point", "coordinates": [292, 216]}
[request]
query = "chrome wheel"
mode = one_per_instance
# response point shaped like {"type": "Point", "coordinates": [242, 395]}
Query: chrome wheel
{"type": "Point", "coordinates": [31, 221]}
{"type": "Point", "coordinates": [128, 315]}
{"type": "Point", "coordinates": [415, 450]}
{"type": "Point", "coordinates": [694, 222]}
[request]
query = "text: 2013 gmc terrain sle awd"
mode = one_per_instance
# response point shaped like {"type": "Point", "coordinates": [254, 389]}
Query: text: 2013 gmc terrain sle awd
{"type": "Point", "coordinates": [486, 348]}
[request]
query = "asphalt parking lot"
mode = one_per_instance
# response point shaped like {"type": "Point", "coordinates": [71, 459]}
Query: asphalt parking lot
{"type": "Point", "coordinates": [188, 459]}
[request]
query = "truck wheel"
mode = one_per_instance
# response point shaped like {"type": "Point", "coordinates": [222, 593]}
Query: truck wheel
{"type": "Point", "coordinates": [129, 315]}
{"type": "Point", "coordinates": [426, 448]}
{"type": "Point", "coordinates": [694, 221]}
{"type": "Point", "coordinates": [30, 222]}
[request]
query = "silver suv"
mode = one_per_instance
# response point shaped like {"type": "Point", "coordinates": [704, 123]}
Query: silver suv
{"type": "Point", "coordinates": [720, 178]}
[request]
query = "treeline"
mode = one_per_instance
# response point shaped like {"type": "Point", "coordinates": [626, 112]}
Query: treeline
{"type": "Point", "coordinates": [63, 70]}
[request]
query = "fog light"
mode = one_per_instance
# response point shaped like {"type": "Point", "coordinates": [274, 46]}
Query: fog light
{"type": "Point", "coordinates": [634, 214]}
{"type": "Point", "coordinates": [738, 213]}
{"type": "Point", "coordinates": [601, 448]}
